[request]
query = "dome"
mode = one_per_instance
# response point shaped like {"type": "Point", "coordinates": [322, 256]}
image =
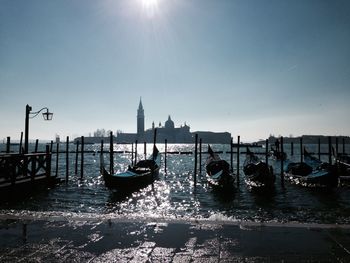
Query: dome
{"type": "Point", "coordinates": [169, 124]}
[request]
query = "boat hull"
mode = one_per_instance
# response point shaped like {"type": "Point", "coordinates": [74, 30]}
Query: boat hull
{"type": "Point", "coordinates": [305, 175]}
{"type": "Point", "coordinates": [125, 183]}
{"type": "Point", "coordinates": [219, 175]}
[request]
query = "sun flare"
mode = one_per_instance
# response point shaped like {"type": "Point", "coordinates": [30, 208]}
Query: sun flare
{"type": "Point", "coordinates": [149, 3]}
{"type": "Point", "coordinates": [150, 7]}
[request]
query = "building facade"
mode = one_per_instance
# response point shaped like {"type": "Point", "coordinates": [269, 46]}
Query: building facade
{"type": "Point", "coordinates": [169, 132]}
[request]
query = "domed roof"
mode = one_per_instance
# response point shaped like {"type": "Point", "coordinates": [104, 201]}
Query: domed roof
{"type": "Point", "coordinates": [169, 124]}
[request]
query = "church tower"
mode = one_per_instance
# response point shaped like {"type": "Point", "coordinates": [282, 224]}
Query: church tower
{"type": "Point", "coordinates": [140, 120]}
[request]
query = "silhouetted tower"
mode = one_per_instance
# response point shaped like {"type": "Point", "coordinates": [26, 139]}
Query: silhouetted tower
{"type": "Point", "coordinates": [140, 120]}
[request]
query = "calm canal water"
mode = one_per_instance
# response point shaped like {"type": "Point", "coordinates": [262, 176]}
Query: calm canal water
{"type": "Point", "coordinates": [174, 196]}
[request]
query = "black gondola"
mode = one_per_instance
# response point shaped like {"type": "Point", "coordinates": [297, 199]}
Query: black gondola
{"type": "Point", "coordinates": [312, 172]}
{"type": "Point", "coordinates": [218, 171]}
{"type": "Point", "coordinates": [257, 172]}
{"type": "Point", "coordinates": [141, 174]}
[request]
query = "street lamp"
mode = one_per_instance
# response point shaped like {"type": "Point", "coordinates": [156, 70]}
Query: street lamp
{"type": "Point", "coordinates": [46, 115]}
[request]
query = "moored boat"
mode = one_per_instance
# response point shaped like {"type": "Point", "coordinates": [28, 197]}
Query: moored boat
{"type": "Point", "coordinates": [218, 171]}
{"type": "Point", "coordinates": [312, 172]}
{"type": "Point", "coordinates": [278, 155]}
{"type": "Point", "coordinates": [257, 173]}
{"type": "Point", "coordinates": [141, 174]}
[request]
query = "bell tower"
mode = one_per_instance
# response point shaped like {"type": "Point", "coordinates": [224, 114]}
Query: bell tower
{"type": "Point", "coordinates": [140, 120]}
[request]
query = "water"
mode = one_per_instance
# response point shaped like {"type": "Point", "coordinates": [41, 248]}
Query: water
{"type": "Point", "coordinates": [174, 196]}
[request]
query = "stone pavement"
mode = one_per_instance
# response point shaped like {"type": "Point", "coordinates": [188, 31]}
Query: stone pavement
{"type": "Point", "coordinates": [72, 240]}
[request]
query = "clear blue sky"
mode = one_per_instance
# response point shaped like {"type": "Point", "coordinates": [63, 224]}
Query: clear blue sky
{"type": "Point", "coordinates": [249, 67]}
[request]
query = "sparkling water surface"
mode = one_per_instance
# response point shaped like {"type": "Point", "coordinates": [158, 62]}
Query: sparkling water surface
{"type": "Point", "coordinates": [173, 195]}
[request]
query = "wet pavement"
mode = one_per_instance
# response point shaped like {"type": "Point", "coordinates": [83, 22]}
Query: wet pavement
{"type": "Point", "coordinates": [112, 240]}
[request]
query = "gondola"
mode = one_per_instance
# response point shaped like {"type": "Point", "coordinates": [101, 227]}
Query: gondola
{"type": "Point", "coordinates": [277, 155]}
{"type": "Point", "coordinates": [312, 172]}
{"type": "Point", "coordinates": [218, 172]}
{"type": "Point", "coordinates": [343, 164]}
{"type": "Point", "coordinates": [139, 175]}
{"type": "Point", "coordinates": [257, 173]}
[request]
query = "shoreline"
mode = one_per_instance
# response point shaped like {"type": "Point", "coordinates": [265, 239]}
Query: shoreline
{"type": "Point", "coordinates": [112, 240]}
{"type": "Point", "coordinates": [93, 217]}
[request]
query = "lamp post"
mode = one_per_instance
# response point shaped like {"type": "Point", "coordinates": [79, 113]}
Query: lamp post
{"type": "Point", "coordinates": [46, 115]}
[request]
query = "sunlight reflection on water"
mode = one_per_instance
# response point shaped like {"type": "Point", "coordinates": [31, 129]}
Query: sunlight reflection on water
{"type": "Point", "coordinates": [174, 195]}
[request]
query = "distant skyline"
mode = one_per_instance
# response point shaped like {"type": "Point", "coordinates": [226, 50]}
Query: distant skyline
{"type": "Point", "coordinates": [248, 67]}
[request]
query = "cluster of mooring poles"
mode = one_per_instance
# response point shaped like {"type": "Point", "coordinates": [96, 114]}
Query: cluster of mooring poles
{"type": "Point", "coordinates": [198, 152]}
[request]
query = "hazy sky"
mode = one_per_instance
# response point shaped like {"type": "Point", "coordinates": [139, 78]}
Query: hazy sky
{"type": "Point", "coordinates": [249, 67]}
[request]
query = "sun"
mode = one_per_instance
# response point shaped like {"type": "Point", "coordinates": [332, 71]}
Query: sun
{"type": "Point", "coordinates": [150, 7]}
{"type": "Point", "coordinates": [149, 3]}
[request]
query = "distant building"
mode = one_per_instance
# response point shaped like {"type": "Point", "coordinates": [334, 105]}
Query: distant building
{"type": "Point", "coordinates": [169, 132]}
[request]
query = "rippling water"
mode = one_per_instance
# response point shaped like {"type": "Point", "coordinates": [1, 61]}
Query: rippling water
{"type": "Point", "coordinates": [174, 195]}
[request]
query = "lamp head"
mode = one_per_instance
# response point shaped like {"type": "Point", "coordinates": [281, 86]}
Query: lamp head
{"type": "Point", "coordinates": [47, 115]}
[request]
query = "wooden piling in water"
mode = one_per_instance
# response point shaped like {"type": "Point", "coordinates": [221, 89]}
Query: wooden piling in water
{"type": "Point", "coordinates": [282, 171]}
{"type": "Point", "coordinates": [36, 145]}
{"type": "Point", "coordinates": [48, 162]}
{"type": "Point", "coordinates": [319, 148]}
{"type": "Point", "coordinates": [136, 142]}
{"type": "Point", "coordinates": [200, 156]}
{"type": "Point", "coordinates": [329, 149]}
{"type": "Point", "coordinates": [195, 160]}
{"type": "Point", "coordinates": [231, 154]}
{"type": "Point", "coordinates": [238, 148]}
{"type": "Point", "coordinates": [8, 143]}
{"type": "Point", "coordinates": [67, 159]}
{"type": "Point", "coordinates": [20, 144]}
{"type": "Point", "coordinates": [57, 154]}
{"type": "Point", "coordinates": [111, 164]}
{"type": "Point", "coordinates": [76, 158]}
{"type": "Point", "coordinates": [132, 154]}
{"type": "Point", "coordinates": [101, 158]}
{"type": "Point", "coordinates": [301, 149]}
{"type": "Point", "coordinates": [145, 150]}
{"type": "Point", "coordinates": [291, 148]}
{"type": "Point", "coordinates": [154, 141]}
{"type": "Point", "coordinates": [343, 145]}
{"type": "Point", "coordinates": [267, 151]}
{"type": "Point", "coordinates": [165, 155]}
{"type": "Point", "coordinates": [336, 146]}
{"type": "Point", "coordinates": [82, 158]}
{"type": "Point", "coordinates": [51, 146]}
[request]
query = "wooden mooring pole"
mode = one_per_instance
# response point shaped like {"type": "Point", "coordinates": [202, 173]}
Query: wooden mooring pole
{"type": "Point", "coordinates": [165, 155]}
{"type": "Point", "coordinates": [136, 142]}
{"type": "Point", "coordinates": [145, 149]}
{"type": "Point", "coordinates": [48, 161]}
{"type": "Point", "coordinates": [336, 146]}
{"type": "Point", "coordinates": [36, 145]}
{"type": "Point", "coordinates": [82, 158]}
{"type": "Point", "coordinates": [301, 149]}
{"type": "Point", "coordinates": [195, 160]}
{"type": "Point", "coordinates": [76, 158]}
{"type": "Point", "coordinates": [67, 159]}
{"type": "Point", "coordinates": [101, 159]}
{"type": "Point", "coordinates": [231, 154]}
{"type": "Point", "coordinates": [200, 156]}
{"type": "Point", "coordinates": [319, 148]}
{"type": "Point", "coordinates": [343, 145]}
{"type": "Point", "coordinates": [238, 148]}
{"type": "Point", "coordinates": [282, 157]}
{"type": "Point", "coordinates": [267, 151]}
{"type": "Point", "coordinates": [111, 164]}
{"type": "Point", "coordinates": [132, 153]}
{"type": "Point", "coordinates": [291, 148]}
{"type": "Point", "coordinates": [8, 143]}
{"type": "Point", "coordinates": [57, 154]}
{"type": "Point", "coordinates": [330, 149]}
{"type": "Point", "coordinates": [20, 144]}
